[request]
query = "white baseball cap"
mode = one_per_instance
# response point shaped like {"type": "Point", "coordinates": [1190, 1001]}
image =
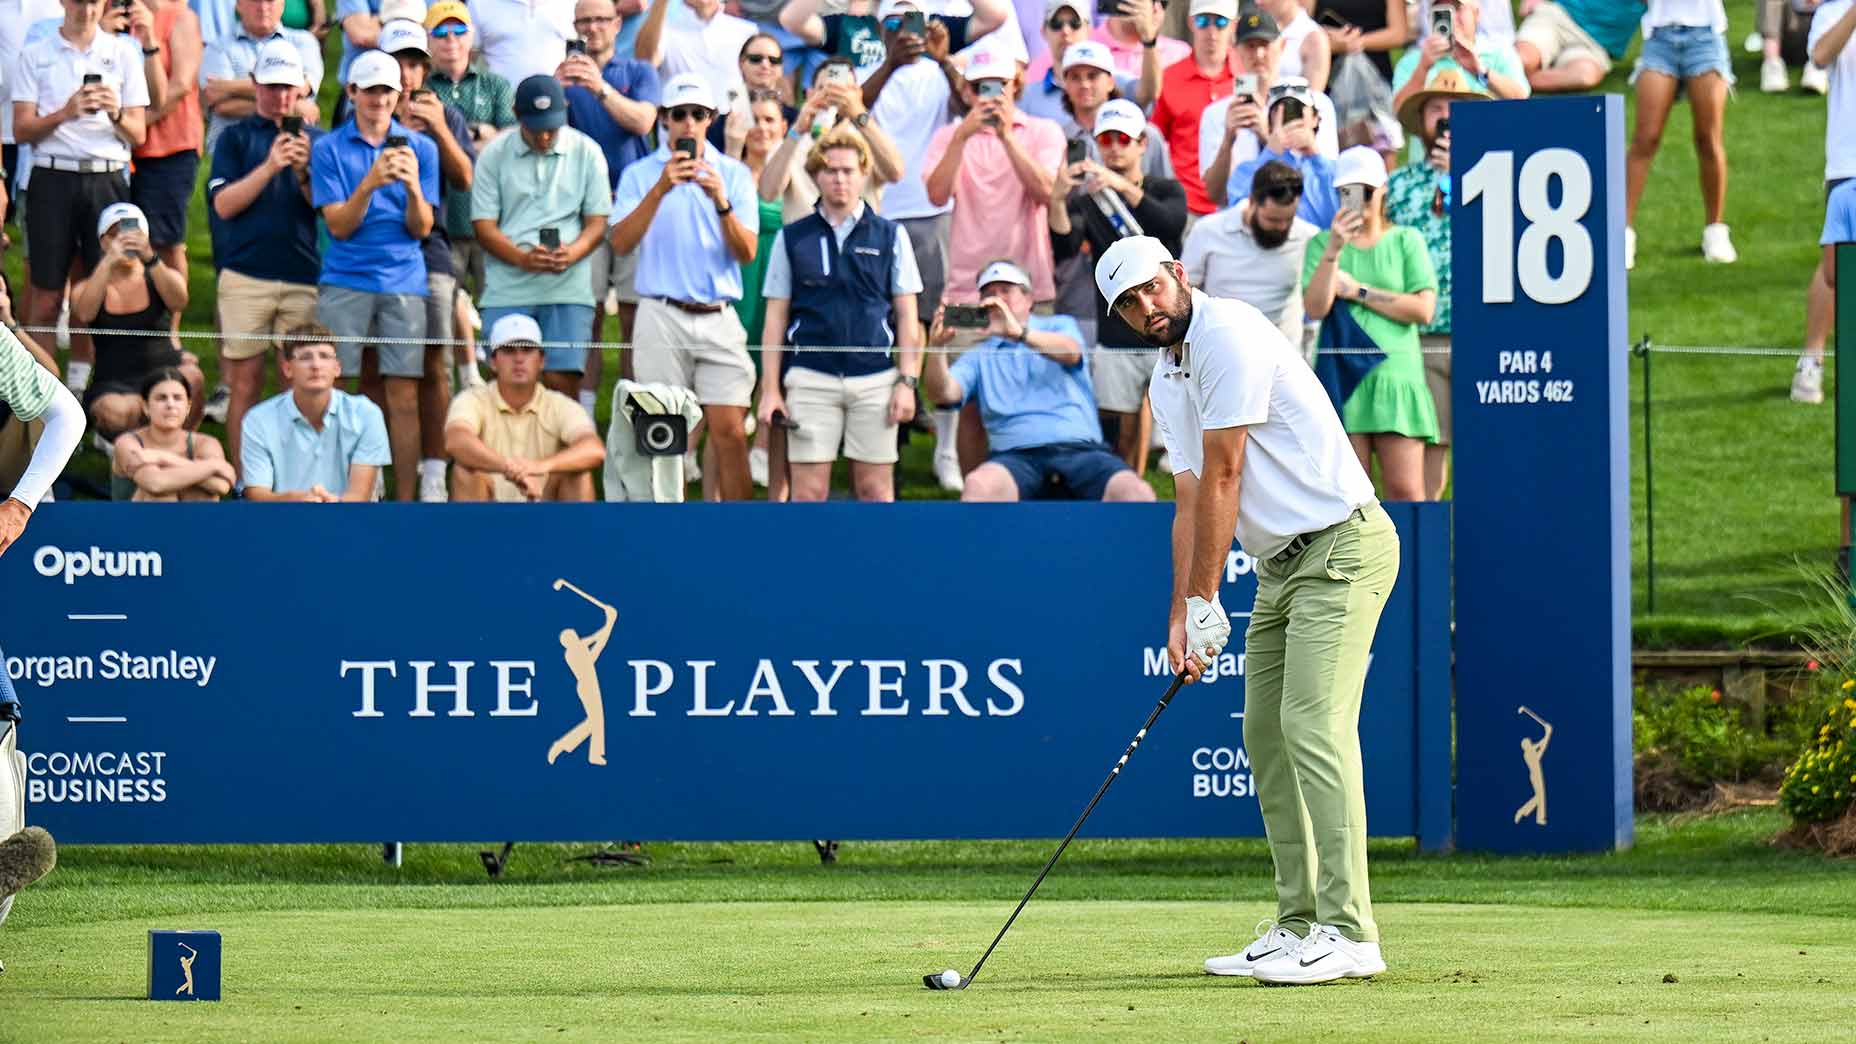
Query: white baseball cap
{"type": "Point", "coordinates": [1228, 8]}
{"type": "Point", "coordinates": [1090, 53]}
{"type": "Point", "coordinates": [393, 10]}
{"type": "Point", "coordinates": [514, 328]}
{"type": "Point", "coordinates": [114, 213]}
{"type": "Point", "coordinates": [687, 89]}
{"type": "Point", "coordinates": [1127, 264]}
{"type": "Point", "coordinates": [1360, 165]}
{"type": "Point", "coordinates": [374, 69]}
{"type": "Point", "coordinates": [279, 65]}
{"type": "Point", "coordinates": [1081, 7]}
{"type": "Point", "coordinates": [403, 34]}
{"type": "Point", "coordinates": [1120, 114]}
{"type": "Point", "coordinates": [1002, 272]}
{"type": "Point", "coordinates": [990, 65]}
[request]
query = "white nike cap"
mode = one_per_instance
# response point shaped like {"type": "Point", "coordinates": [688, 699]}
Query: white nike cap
{"type": "Point", "coordinates": [1127, 264]}
{"type": "Point", "coordinates": [1002, 272]}
{"type": "Point", "coordinates": [514, 328]}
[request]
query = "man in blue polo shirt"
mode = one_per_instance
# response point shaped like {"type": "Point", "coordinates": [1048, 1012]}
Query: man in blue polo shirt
{"type": "Point", "coordinates": [611, 98]}
{"type": "Point", "coordinates": [1035, 399]}
{"type": "Point", "coordinates": [264, 231]}
{"type": "Point", "coordinates": [226, 66]}
{"type": "Point", "coordinates": [314, 442]}
{"type": "Point", "coordinates": [373, 181]}
{"type": "Point", "coordinates": [693, 216]}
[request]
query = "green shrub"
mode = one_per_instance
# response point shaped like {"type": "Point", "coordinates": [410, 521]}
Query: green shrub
{"type": "Point", "coordinates": [1688, 740]}
{"type": "Point", "coordinates": [1821, 785]}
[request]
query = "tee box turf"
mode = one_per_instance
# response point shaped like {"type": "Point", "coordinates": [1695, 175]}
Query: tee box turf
{"type": "Point", "coordinates": [183, 965]}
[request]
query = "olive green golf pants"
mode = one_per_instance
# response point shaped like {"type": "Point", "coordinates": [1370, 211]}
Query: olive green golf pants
{"type": "Point", "coordinates": [1304, 674]}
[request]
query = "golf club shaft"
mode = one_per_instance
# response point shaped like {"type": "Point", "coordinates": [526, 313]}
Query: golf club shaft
{"type": "Point", "coordinates": [1178, 680]}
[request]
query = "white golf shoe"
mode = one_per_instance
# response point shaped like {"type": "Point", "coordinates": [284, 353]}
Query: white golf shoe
{"type": "Point", "coordinates": [1717, 246]}
{"type": "Point", "coordinates": [1630, 248]}
{"type": "Point", "coordinates": [1324, 956]}
{"type": "Point", "coordinates": [947, 473]}
{"type": "Point", "coordinates": [1808, 380]}
{"type": "Point", "coordinates": [1773, 78]}
{"type": "Point", "coordinates": [1271, 940]}
{"type": "Point", "coordinates": [1815, 79]}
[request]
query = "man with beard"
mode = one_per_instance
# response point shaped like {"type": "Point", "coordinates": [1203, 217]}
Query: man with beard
{"type": "Point", "coordinates": [1240, 413]}
{"type": "Point", "coordinates": [1252, 252]}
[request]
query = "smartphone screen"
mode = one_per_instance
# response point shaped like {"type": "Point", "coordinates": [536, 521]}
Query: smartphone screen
{"type": "Point", "coordinates": [395, 141]}
{"type": "Point", "coordinates": [293, 124]}
{"type": "Point", "coordinates": [576, 47]}
{"type": "Point", "coordinates": [1078, 151]}
{"type": "Point", "coordinates": [91, 78]}
{"type": "Point", "coordinates": [966, 317]}
{"type": "Point", "coordinates": [551, 238]}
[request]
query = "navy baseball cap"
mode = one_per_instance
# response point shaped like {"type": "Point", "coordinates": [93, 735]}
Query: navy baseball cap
{"type": "Point", "coordinates": [540, 103]}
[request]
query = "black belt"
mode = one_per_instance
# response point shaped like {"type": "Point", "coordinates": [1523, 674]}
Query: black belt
{"type": "Point", "coordinates": [692, 307]}
{"type": "Point", "coordinates": [1300, 543]}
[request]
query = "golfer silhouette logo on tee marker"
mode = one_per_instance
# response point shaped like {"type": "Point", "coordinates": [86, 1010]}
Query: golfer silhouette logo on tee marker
{"type": "Point", "coordinates": [582, 655]}
{"type": "Point", "coordinates": [186, 969]}
{"type": "Point", "coordinates": [1532, 751]}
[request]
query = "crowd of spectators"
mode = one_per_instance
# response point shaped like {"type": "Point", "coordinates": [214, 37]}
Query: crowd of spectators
{"type": "Point", "coordinates": [815, 219]}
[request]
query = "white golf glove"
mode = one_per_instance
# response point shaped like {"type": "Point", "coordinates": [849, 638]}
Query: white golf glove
{"type": "Point", "coordinates": [1207, 628]}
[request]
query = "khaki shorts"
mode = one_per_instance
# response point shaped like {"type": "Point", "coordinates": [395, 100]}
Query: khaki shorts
{"type": "Point", "coordinates": [706, 353]}
{"type": "Point", "coordinates": [619, 276]}
{"type": "Point", "coordinates": [467, 262]}
{"type": "Point", "coordinates": [1437, 379]}
{"type": "Point", "coordinates": [1558, 38]}
{"type": "Point", "coordinates": [252, 311]}
{"type": "Point", "coordinates": [1121, 376]}
{"type": "Point", "coordinates": [831, 410]}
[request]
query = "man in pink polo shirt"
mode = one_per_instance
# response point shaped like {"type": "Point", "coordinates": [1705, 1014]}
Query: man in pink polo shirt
{"type": "Point", "coordinates": [1188, 86]}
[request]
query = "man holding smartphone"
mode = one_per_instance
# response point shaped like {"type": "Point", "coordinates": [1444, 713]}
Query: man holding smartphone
{"type": "Point", "coordinates": [694, 218]}
{"type": "Point", "coordinates": [374, 182]}
{"type": "Point", "coordinates": [225, 68]}
{"type": "Point", "coordinates": [80, 98]}
{"type": "Point", "coordinates": [1232, 131]}
{"type": "Point", "coordinates": [538, 205]}
{"type": "Point", "coordinates": [1293, 138]}
{"type": "Point", "coordinates": [264, 230]}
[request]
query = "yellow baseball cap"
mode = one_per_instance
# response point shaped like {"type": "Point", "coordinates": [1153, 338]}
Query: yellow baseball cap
{"type": "Point", "coordinates": [446, 11]}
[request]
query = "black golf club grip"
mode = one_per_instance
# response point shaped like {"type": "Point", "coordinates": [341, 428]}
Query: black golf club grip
{"type": "Point", "coordinates": [1167, 698]}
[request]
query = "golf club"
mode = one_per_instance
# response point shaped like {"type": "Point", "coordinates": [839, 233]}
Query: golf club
{"type": "Point", "coordinates": [940, 980]}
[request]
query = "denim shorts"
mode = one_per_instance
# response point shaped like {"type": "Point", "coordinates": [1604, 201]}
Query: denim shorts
{"type": "Point", "coordinates": [559, 323]}
{"type": "Point", "coordinates": [1685, 52]}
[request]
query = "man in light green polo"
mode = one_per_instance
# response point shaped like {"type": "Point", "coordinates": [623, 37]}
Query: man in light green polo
{"type": "Point", "coordinates": [1258, 452]}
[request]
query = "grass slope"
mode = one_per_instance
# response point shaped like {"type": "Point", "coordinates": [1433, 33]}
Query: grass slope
{"type": "Point", "coordinates": [1743, 476]}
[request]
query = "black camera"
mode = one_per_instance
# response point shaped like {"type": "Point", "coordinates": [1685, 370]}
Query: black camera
{"type": "Point", "coordinates": [656, 429]}
{"type": "Point", "coordinates": [1443, 19]}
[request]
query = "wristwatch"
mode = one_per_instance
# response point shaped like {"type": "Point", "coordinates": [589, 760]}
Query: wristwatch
{"type": "Point", "coordinates": [912, 382]}
{"type": "Point", "coordinates": [861, 120]}
{"type": "Point", "coordinates": [725, 211]}
{"type": "Point", "coordinates": [1361, 293]}
{"type": "Point", "coordinates": [150, 52]}
{"type": "Point", "coordinates": [1150, 43]}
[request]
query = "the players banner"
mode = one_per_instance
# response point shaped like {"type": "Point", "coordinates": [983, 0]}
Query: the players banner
{"type": "Point", "coordinates": [401, 672]}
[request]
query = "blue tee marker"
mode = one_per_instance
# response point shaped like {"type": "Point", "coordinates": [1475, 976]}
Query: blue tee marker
{"type": "Point", "coordinates": [183, 965]}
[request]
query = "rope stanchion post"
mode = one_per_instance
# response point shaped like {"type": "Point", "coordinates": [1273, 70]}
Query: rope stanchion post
{"type": "Point", "coordinates": [1643, 351]}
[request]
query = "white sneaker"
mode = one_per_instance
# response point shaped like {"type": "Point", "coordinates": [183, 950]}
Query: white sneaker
{"type": "Point", "coordinates": [1773, 79]}
{"type": "Point", "coordinates": [1814, 79]}
{"type": "Point", "coordinates": [1630, 248]}
{"type": "Point", "coordinates": [62, 335]}
{"type": "Point", "coordinates": [1717, 246]}
{"type": "Point", "coordinates": [1754, 43]}
{"type": "Point", "coordinates": [757, 465]}
{"type": "Point", "coordinates": [1325, 956]}
{"type": "Point", "coordinates": [692, 467]}
{"type": "Point", "coordinates": [1808, 380]}
{"type": "Point", "coordinates": [471, 315]}
{"type": "Point", "coordinates": [216, 404]}
{"type": "Point", "coordinates": [432, 487]}
{"type": "Point", "coordinates": [589, 401]}
{"type": "Point", "coordinates": [947, 473]}
{"type": "Point", "coordinates": [1271, 940]}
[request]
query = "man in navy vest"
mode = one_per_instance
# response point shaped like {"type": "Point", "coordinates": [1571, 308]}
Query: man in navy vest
{"type": "Point", "coordinates": [841, 276]}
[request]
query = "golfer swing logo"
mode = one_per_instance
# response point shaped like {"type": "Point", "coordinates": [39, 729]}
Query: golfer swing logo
{"type": "Point", "coordinates": [186, 969]}
{"type": "Point", "coordinates": [582, 655]}
{"type": "Point", "coordinates": [1532, 751]}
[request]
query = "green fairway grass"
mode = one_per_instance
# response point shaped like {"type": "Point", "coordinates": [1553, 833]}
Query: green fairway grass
{"type": "Point", "coordinates": [1742, 474]}
{"type": "Point", "coordinates": [759, 941]}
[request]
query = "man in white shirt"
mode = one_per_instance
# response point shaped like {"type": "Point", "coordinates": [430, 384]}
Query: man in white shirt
{"type": "Point", "coordinates": [1252, 252]}
{"type": "Point", "coordinates": [522, 38]}
{"type": "Point", "coordinates": [701, 38]}
{"type": "Point", "coordinates": [1232, 130]}
{"type": "Point", "coordinates": [1831, 29]}
{"type": "Point", "coordinates": [80, 99]}
{"type": "Point", "coordinates": [16, 16]}
{"type": "Point", "coordinates": [1239, 411]}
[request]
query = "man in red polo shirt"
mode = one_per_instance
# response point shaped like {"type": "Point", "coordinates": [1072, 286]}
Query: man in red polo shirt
{"type": "Point", "coordinates": [1191, 84]}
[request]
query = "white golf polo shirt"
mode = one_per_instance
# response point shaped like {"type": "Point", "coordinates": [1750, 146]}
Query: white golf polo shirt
{"type": "Point", "coordinates": [1236, 370]}
{"type": "Point", "coordinates": [53, 69]}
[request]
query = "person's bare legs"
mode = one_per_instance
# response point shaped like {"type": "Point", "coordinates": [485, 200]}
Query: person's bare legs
{"type": "Point", "coordinates": [1127, 486]}
{"type": "Point", "coordinates": [1401, 466]}
{"type": "Point", "coordinates": [1577, 75]}
{"type": "Point", "coordinates": [873, 483]}
{"type": "Point", "coordinates": [468, 484]}
{"type": "Point", "coordinates": [1436, 470]}
{"type": "Point", "coordinates": [970, 438]}
{"type": "Point", "coordinates": [175, 256]}
{"type": "Point", "coordinates": [811, 483]}
{"type": "Point", "coordinates": [1707, 97]}
{"type": "Point", "coordinates": [434, 404]}
{"type": "Point", "coordinates": [1656, 95]}
{"type": "Point", "coordinates": [728, 439]}
{"type": "Point", "coordinates": [196, 388]}
{"type": "Point", "coordinates": [572, 487]}
{"type": "Point", "coordinates": [1820, 312]}
{"type": "Point", "coordinates": [402, 395]}
{"type": "Point", "coordinates": [563, 381]}
{"type": "Point", "coordinates": [116, 413]}
{"type": "Point", "coordinates": [989, 483]}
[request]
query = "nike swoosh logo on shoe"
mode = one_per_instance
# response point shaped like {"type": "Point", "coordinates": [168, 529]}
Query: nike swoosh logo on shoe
{"type": "Point", "coordinates": [1317, 960]}
{"type": "Point", "coordinates": [1253, 958]}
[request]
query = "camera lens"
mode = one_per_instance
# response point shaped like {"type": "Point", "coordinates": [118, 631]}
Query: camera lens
{"type": "Point", "coordinates": [659, 436]}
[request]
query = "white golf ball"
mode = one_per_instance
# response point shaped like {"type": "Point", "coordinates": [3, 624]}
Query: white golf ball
{"type": "Point", "coordinates": [950, 978]}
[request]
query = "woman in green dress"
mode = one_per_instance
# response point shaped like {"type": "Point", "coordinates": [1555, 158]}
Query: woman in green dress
{"type": "Point", "coordinates": [1381, 273]}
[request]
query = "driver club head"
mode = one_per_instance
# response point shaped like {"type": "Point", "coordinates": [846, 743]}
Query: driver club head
{"type": "Point", "coordinates": [933, 982]}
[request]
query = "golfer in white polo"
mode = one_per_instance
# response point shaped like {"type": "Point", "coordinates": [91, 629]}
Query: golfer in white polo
{"type": "Point", "coordinates": [1259, 452]}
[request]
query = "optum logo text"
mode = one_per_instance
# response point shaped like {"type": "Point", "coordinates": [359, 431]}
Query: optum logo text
{"type": "Point", "coordinates": [71, 564]}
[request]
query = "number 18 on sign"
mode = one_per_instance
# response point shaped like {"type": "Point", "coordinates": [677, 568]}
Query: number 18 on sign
{"type": "Point", "coordinates": [1542, 495]}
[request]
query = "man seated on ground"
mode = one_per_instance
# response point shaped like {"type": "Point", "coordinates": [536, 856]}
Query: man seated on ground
{"type": "Point", "coordinates": [314, 442]}
{"type": "Point", "coordinates": [514, 440]}
{"type": "Point", "coordinates": [1035, 400]}
{"type": "Point", "coordinates": [1567, 45]}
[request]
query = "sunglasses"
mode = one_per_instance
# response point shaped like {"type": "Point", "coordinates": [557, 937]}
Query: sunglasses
{"type": "Point", "coordinates": [1114, 138]}
{"type": "Point", "coordinates": [1060, 22]}
{"type": "Point", "coordinates": [763, 59]}
{"type": "Point", "coordinates": [893, 23]}
{"type": "Point", "coordinates": [594, 20]}
{"type": "Point", "coordinates": [691, 113]}
{"type": "Point", "coordinates": [1210, 21]}
{"type": "Point", "coordinates": [451, 29]}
